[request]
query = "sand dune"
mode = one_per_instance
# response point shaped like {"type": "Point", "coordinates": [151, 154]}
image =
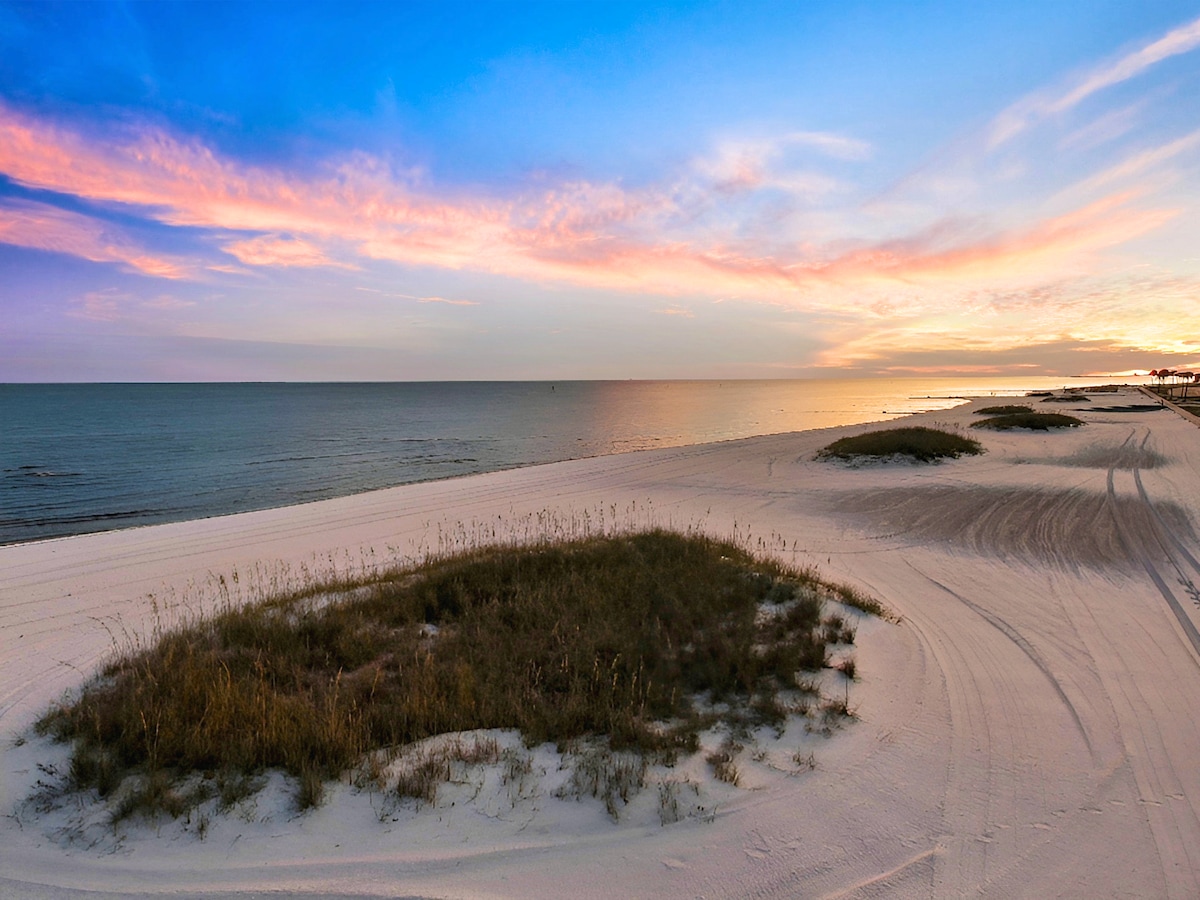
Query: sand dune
{"type": "Point", "coordinates": [1027, 730]}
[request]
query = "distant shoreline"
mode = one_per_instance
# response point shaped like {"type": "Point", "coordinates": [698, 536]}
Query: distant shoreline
{"type": "Point", "coordinates": [81, 459]}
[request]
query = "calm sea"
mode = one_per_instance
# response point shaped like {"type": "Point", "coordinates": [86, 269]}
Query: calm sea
{"type": "Point", "coordinates": [79, 458]}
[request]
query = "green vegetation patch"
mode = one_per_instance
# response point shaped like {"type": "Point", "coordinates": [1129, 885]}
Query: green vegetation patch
{"type": "Point", "coordinates": [623, 637]}
{"type": "Point", "coordinates": [1010, 410]}
{"type": "Point", "coordinates": [1031, 420]}
{"type": "Point", "coordinates": [922, 444]}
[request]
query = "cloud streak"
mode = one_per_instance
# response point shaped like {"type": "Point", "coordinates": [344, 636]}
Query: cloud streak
{"type": "Point", "coordinates": [40, 226]}
{"type": "Point", "coordinates": [1027, 112]}
{"type": "Point", "coordinates": [276, 251]}
{"type": "Point", "coordinates": [598, 235]}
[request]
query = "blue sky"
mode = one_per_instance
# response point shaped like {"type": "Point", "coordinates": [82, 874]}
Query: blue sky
{"type": "Point", "coordinates": [427, 191]}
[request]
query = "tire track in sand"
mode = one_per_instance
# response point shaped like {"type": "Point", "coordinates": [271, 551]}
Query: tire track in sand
{"type": "Point", "coordinates": [1150, 747]}
{"type": "Point", "coordinates": [1025, 647]}
{"type": "Point", "coordinates": [1138, 550]}
{"type": "Point", "coordinates": [1006, 716]}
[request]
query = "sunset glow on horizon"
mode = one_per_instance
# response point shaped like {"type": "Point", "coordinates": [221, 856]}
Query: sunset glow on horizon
{"type": "Point", "coordinates": [511, 191]}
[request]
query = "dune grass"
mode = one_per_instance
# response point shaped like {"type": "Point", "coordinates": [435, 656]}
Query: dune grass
{"type": "Point", "coordinates": [637, 638]}
{"type": "Point", "coordinates": [919, 443]}
{"type": "Point", "coordinates": [1034, 421]}
{"type": "Point", "coordinates": [1009, 410]}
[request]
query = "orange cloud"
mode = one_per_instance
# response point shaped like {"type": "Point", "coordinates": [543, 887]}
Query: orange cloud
{"type": "Point", "coordinates": [596, 235]}
{"type": "Point", "coordinates": [1042, 246]}
{"type": "Point", "coordinates": [42, 227]}
{"type": "Point", "coordinates": [1101, 312]}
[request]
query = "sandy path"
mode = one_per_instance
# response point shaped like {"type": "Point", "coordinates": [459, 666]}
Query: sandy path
{"type": "Point", "coordinates": [1027, 731]}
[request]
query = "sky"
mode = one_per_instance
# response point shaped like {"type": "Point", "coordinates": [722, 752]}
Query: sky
{"type": "Point", "coordinates": [411, 191]}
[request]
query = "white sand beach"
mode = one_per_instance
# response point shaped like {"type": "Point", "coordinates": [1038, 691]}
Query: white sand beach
{"type": "Point", "coordinates": [1028, 729]}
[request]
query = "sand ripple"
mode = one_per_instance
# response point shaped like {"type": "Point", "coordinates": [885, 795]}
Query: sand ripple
{"type": "Point", "coordinates": [1068, 528]}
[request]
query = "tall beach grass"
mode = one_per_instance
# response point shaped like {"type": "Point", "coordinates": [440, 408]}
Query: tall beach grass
{"type": "Point", "coordinates": [639, 639]}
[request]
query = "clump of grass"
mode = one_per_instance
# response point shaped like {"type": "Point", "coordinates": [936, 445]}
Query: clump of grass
{"type": "Point", "coordinates": [723, 763]}
{"type": "Point", "coordinates": [1032, 420]}
{"type": "Point", "coordinates": [1009, 410]}
{"type": "Point", "coordinates": [838, 630]}
{"type": "Point", "coordinates": [611, 777]}
{"type": "Point", "coordinates": [419, 777]}
{"type": "Point", "coordinates": [604, 637]}
{"type": "Point", "coordinates": [311, 789]}
{"type": "Point", "coordinates": [919, 443]}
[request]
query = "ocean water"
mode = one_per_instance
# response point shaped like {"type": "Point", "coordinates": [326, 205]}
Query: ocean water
{"type": "Point", "coordinates": [78, 458]}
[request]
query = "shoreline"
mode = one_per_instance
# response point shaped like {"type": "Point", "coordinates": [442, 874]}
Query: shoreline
{"type": "Point", "coordinates": [147, 468]}
{"type": "Point", "coordinates": [1005, 701]}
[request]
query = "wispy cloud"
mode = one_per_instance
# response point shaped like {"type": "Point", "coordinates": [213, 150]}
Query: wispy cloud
{"type": "Point", "coordinates": [579, 232]}
{"type": "Point", "coordinates": [114, 305]}
{"type": "Point", "coordinates": [1141, 162]}
{"type": "Point", "coordinates": [274, 250]}
{"type": "Point", "coordinates": [1040, 247]}
{"type": "Point", "coordinates": [418, 298]}
{"type": "Point", "coordinates": [446, 301]}
{"type": "Point", "coordinates": [1043, 104]}
{"type": "Point", "coordinates": [599, 235]}
{"type": "Point", "coordinates": [40, 226]}
{"type": "Point", "coordinates": [1180, 40]}
{"type": "Point", "coordinates": [742, 164]}
{"type": "Point", "coordinates": [99, 306]}
{"type": "Point", "coordinates": [167, 302]}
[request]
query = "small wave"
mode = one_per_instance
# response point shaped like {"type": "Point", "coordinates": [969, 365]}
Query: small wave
{"type": "Point", "coordinates": [283, 459]}
{"type": "Point", "coordinates": [49, 521]}
{"type": "Point", "coordinates": [36, 472]}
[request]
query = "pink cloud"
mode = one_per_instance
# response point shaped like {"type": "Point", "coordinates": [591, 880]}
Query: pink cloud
{"type": "Point", "coordinates": [42, 227]}
{"type": "Point", "coordinates": [98, 306]}
{"type": "Point", "coordinates": [595, 235]}
{"type": "Point", "coordinates": [167, 302]}
{"type": "Point", "coordinates": [739, 166]}
{"type": "Point", "coordinates": [1043, 245]}
{"type": "Point", "coordinates": [446, 301]}
{"type": "Point", "coordinates": [272, 250]}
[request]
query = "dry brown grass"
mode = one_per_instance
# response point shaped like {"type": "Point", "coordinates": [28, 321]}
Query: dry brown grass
{"type": "Point", "coordinates": [609, 636]}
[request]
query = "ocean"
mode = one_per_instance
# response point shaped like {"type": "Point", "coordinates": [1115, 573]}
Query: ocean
{"type": "Point", "coordinates": [77, 458]}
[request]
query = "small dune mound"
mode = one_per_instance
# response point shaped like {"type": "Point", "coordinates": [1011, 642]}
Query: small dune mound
{"type": "Point", "coordinates": [641, 640]}
{"type": "Point", "coordinates": [917, 443]}
{"type": "Point", "coordinates": [1030, 420]}
{"type": "Point", "coordinates": [1010, 410]}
